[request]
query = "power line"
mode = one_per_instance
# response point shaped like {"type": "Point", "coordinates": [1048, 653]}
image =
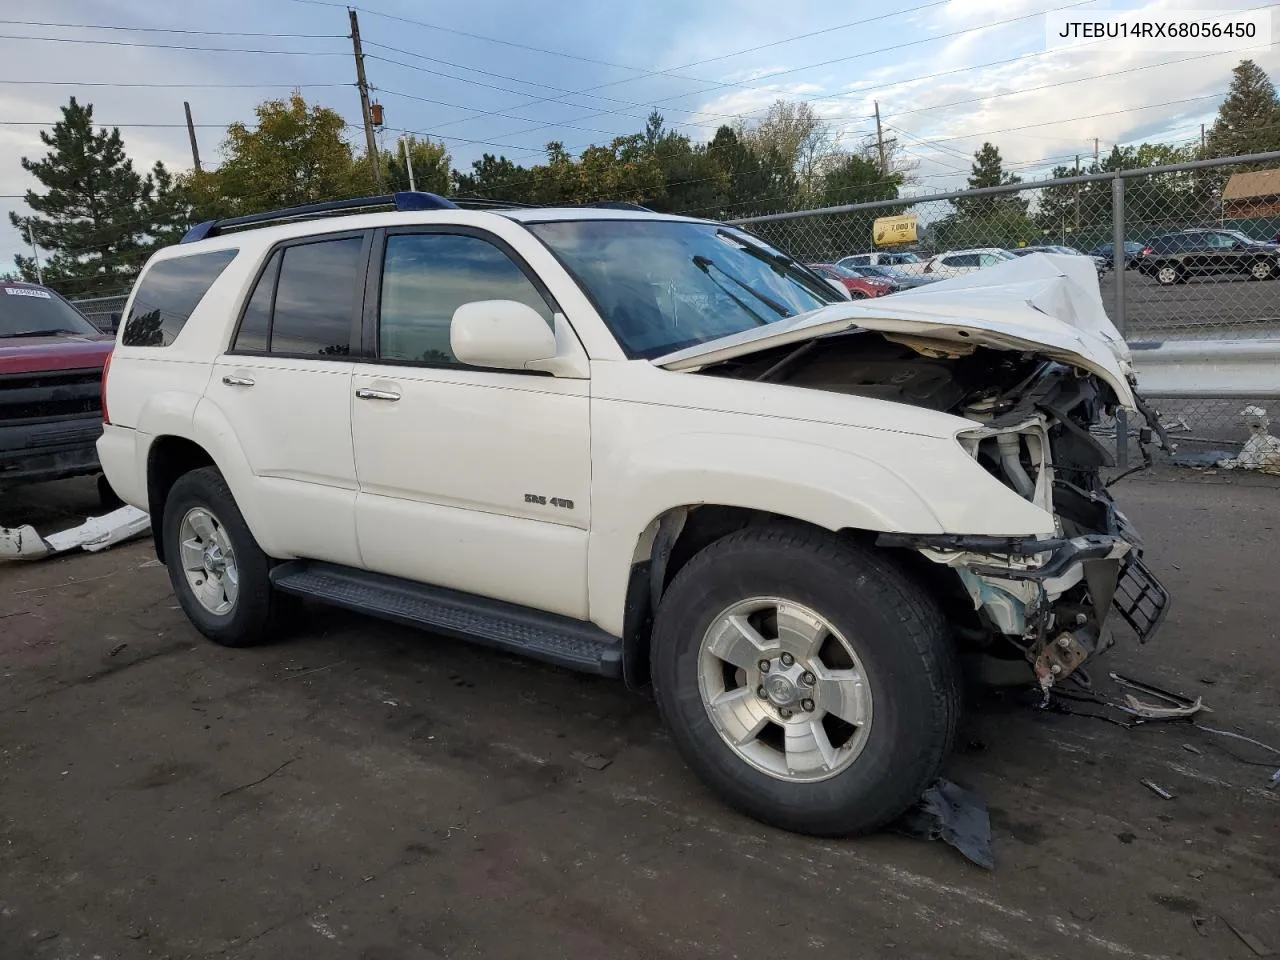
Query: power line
{"type": "Point", "coordinates": [206, 33]}
{"type": "Point", "coordinates": [172, 85]}
{"type": "Point", "coordinates": [175, 46]}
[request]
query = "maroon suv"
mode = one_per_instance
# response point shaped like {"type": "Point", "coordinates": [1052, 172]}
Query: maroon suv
{"type": "Point", "coordinates": [51, 361]}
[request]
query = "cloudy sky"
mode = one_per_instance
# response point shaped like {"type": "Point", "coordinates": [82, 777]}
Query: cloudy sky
{"type": "Point", "coordinates": [503, 76]}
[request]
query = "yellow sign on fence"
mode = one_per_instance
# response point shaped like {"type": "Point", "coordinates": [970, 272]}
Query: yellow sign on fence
{"type": "Point", "coordinates": [889, 231]}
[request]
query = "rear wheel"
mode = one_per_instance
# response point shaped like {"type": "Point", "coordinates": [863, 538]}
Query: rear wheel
{"type": "Point", "coordinates": [1262, 270]}
{"type": "Point", "coordinates": [218, 571]}
{"type": "Point", "coordinates": [857, 295]}
{"type": "Point", "coordinates": [805, 679]}
{"type": "Point", "coordinates": [1168, 274]}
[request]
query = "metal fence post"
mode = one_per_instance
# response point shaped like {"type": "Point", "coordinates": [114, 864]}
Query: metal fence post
{"type": "Point", "coordinates": [1119, 265]}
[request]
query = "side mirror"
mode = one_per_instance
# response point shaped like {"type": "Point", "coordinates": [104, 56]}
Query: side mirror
{"type": "Point", "coordinates": [840, 288]}
{"type": "Point", "coordinates": [501, 334]}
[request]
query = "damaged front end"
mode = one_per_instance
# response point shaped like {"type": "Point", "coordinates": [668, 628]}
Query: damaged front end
{"type": "Point", "coordinates": [1013, 601]}
{"type": "Point", "coordinates": [1048, 598]}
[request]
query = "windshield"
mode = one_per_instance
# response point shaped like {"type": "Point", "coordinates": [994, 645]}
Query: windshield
{"type": "Point", "coordinates": [662, 285]}
{"type": "Point", "coordinates": [33, 311]}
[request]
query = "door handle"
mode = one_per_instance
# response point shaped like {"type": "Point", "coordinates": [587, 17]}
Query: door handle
{"type": "Point", "coordinates": [365, 393]}
{"type": "Point", "coordinates": [231, 381]}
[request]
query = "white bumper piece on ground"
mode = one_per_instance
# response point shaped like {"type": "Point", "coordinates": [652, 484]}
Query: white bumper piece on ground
{"type": "Point", "coordinates": [96, 533]}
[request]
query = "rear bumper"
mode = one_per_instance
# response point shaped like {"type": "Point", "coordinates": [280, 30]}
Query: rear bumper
{"type": "Point", "coordinates": [48, 450]}
{"type": "Point", "coordinates": [118, 453]}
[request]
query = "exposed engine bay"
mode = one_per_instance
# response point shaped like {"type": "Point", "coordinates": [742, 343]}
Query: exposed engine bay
{"type": "Point", "coordinates": [1012, 601]}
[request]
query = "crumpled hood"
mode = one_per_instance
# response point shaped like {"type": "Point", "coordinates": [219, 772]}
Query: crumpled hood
{"type": "Point", "coordinates": [1044, 304]}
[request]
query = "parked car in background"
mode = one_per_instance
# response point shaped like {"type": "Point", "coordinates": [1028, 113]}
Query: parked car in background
{"type": "Point", "coordinates": [1177, 257]}
{"type": "Point", "coordinates": [859, 287]}
{"type": "Point", "coordinates": [51, 361]}
{"type": "Point", "coordinates": [1132, 253]}
{"type": "Point", "coordinates": [1101, 263]}
{"type": "Point", "coordinates": [955, 263]}
{"type": "Point", "coordinates": [900, 280]}
{"type": "Point", "coordinates": [881, 259]}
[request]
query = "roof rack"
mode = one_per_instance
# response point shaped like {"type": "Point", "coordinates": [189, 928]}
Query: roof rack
{"type": "Point", "coordinates": [403, 201]}
{"type": "Point", "coordinates": [617, 205]}
{"type": "Point", "coordinates": [480, 203]}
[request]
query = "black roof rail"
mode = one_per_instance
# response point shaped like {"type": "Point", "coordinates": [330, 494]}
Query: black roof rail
{"type": "Point", "coordinates": [403, 201]}
{"type": "Point", "coordinates": [617, 205]}
{"type": "Point", "coordinates": [481, 203]}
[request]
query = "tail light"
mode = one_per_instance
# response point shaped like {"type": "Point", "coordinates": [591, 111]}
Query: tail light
{"type": "Point", "coordinates": [1147, 251]}
{"type": "Point", "coordinates": [106, 368]}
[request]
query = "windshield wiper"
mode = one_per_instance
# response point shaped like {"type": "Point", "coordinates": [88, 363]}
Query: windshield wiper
{"type": "Point", "coordinates": [38, 333]}
{"type": "Point", "coordinates": [779, 262]}
{"type": "Point", "coordinates": [706, 263]}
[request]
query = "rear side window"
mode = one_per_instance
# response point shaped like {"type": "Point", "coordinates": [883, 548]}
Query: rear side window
{"type": "Point", "coordinates": [304, 302]}
{"type": "Point", "coordinates": [168, 294]}
{"type": "Point", "coordinates": [961, 260]}
{"type": "Point", "coordinates": [857, 261]}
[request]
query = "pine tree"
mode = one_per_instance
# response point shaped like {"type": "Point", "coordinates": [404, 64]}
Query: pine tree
{"type": "Point", "coordinates": [1249, 119]}
{"type": "Point", "coordinates": [988, 171]}
{"type": "Point", "coordinates": [93, 218]}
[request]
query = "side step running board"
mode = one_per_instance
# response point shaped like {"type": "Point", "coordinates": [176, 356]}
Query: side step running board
{"type": "Point", "coordinates": [542, 636]}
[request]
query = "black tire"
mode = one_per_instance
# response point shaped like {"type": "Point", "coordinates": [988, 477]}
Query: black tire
{"type": "Point", "coordinates": [106, 496]}
{"type": "Point", "coordinates": [1257, 274]}
{"type": "Point", "coordinates": [857, 295]}
{"type": "Point", "coordinates": [898, 633]}
{"type": "Point", "coordinates": [1167, 274]}
{"type": "Point", "coordinates": [252, 615]}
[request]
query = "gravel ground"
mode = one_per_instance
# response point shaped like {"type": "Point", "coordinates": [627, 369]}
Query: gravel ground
{"type": "Point", "coordinates": [357, 790]}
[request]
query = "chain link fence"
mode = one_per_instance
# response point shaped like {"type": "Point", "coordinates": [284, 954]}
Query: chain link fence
{"type": "Point", "coordinates": [103, 312]}
{"type": "Point", "coordinates": [1199, 261]}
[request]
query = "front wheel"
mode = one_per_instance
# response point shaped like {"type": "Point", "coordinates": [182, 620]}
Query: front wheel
{"type": "Point", "coordinates": [1262, 270]}
{"type": "Point", "coordinates": [805, 679]}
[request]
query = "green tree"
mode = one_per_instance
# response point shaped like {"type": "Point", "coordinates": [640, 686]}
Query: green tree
{"type": "Point", "coordinates": [296, 155]}
{"type": "Point", "coordinates": [988, 171]}
{"type": "Point", "coordinates": [755, 182]}
{"type": "Point", "coordinates": [496, 178]}
{"type": "Point", "coordinates": [692, 182]}
{"type": "Point", "coordinates": [431, 166]}
{"type": "Point", "coordinates": [1249, 119]}
{"type": "Point", "coordinates": [94, 216]}
{"type": "Point", "coordinates": [794, 132]}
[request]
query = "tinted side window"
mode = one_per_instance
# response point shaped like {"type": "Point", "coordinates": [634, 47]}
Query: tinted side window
{"type": "Point", "coordinates": [962, 260]}
{"type": "Point", "coordinates": [167, 294]}
{"type": "Point", "coordinates": [315, 297]}
{"type": "Point", "coordinates": [857, 261]}
{"type": "Point", "coordinates": [427, 276]}
{"type": "Point", "coordinates": [255, 326]}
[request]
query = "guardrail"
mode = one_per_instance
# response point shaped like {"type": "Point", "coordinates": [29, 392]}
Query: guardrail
{"type": "Point", "coordinates": [1208, 369]}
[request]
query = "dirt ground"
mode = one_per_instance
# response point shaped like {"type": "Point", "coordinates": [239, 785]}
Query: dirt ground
{"type": "Point", "coordinates": [361, 791]}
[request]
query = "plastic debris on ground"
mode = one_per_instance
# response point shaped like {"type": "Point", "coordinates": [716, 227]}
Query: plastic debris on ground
{"type": "Point", "coordinates": [1261, 451]}
{"type": "Point", "coordinates": [96, 533]}
{"type": "Point", "coordinates": [954, 815]}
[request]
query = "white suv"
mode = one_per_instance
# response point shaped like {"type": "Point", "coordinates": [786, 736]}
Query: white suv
{"type": "Point", "coordinates": [644, 446]}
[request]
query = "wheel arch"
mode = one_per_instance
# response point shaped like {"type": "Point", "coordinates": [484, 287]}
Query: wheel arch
{"type": "Point", "coordinates": [671, 539]}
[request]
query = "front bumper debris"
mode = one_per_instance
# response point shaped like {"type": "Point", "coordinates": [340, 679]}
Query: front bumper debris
{"type": "Point", "coordinates": [1050, 596]}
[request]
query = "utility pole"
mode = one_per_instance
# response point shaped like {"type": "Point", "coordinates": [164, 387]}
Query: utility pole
{"type": "Point", "coordinates": [1095, 150]}
{"type": "Point", "coordinates": [35, 252]}
{"type": "Point", "coordinates": [408, 162]}
{"type": "Point", "coordinates": [1203, 151]}
{"type": "Point", "coordinates": [884, 164]}
{"type": "Point", "coordinates": [363, 84]}
{"type": "Point", "coordinates": [191, 132]}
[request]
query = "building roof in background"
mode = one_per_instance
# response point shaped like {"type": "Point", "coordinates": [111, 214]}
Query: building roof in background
{"type": "Point", "coordinates": [1259, 183]}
